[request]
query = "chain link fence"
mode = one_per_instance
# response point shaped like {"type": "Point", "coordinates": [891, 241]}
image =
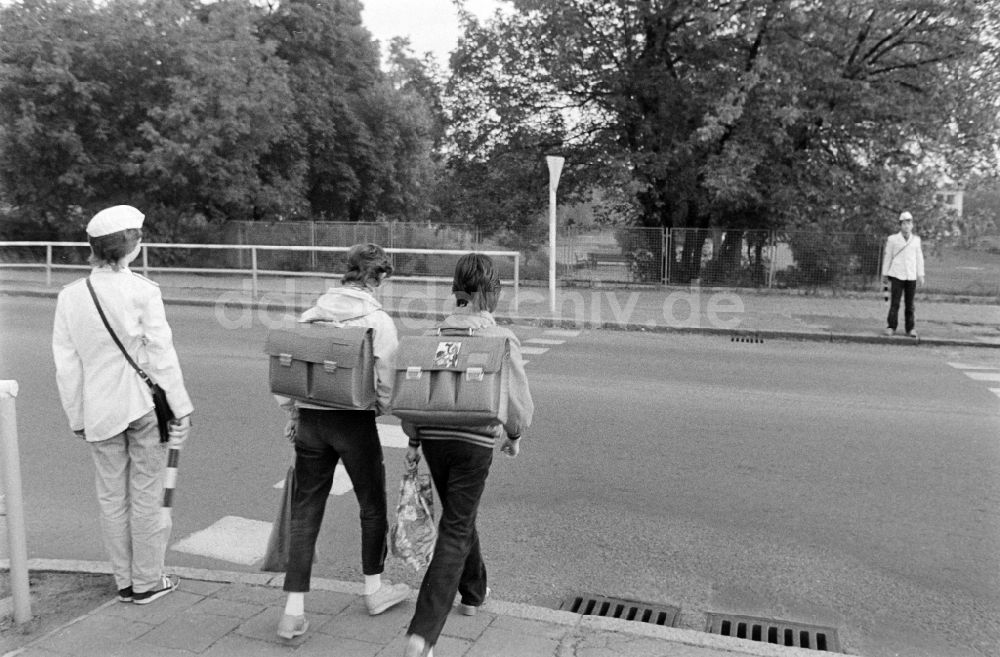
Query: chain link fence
{"type": "Point", "coordinates": [806, 260]}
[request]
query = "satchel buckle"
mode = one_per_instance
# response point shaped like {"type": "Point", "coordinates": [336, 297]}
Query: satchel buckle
{"type": "Point", "coordinates": [285, 360]}
{"type": "Point", "coordinates": [329, 366]}
{"type": "Point", "coordinates": [413, 373]}
{"type": "Point", "coordinates": [474, 374]}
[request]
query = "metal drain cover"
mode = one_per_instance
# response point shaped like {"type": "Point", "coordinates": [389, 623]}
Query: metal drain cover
{"type": "Point", "coordinates": [631, 610]}
{"type": "Point", "coordinates": [768, 630]}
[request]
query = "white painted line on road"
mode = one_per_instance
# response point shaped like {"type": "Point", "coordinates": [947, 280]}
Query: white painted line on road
{"type": "Point", "coordinates": [341, 481]}
{"type": "Point", "coordinates": [534, 350]}
{"type": "Point", "coordinates": [995, 391]}
{"type": "Point", "coordinates": [230, 538]}
{"type": "Point", "coordinates": [565, 333]}
{"type": "Point", "coordinates": [984, 376]}
{"type": "Point", "coordinates": [391, 435]}
{"type": "Point", "coordinates": [966, 366]}
{"type": "Point", "coordinates": [544, 341]}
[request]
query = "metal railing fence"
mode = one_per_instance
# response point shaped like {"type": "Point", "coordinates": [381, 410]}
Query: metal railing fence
{"type": "Point", "coordinates": [626, 255]}
{"type": "Point", "coordinates": [330, 233]}
{"type": "Point", "coordinates": [429, 265]}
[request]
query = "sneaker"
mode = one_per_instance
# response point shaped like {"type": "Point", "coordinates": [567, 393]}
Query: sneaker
{"type": "Point", "coordinates": [470, 610]}
{"type": "Point", "coordinates": [416, 646]}
{"type": "Point", "coordinates": [290, 626]}
{"type": "Point", "coordinates": [911, 334]}
{"type": "Point", "coordinates": [388, 595]}
{"type": "Point", "coordinates": [889, 331]}
{"type": "Point", "coordinates": [125, 594]}
{"type": "Point", "coordinates": [167, 584]}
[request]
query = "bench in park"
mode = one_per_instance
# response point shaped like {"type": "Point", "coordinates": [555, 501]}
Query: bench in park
{"type": "Point", "coordinates": [596, 259]}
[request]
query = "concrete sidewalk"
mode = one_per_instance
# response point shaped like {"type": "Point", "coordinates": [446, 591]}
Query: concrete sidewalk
{"type": "Point", "coordinates": [227, 614]}
{"type": "Point", "coordinates": [740, 314]}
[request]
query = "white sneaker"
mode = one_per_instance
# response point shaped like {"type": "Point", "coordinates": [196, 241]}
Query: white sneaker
{"type": "Point", "coordinates": [416, 646]}
{"type": "Point", "coordinates": [290, 626]}
{"type": "Point", "coordinates": [388, 595]}
{"type": "Point", "coordinates": [470, 610]}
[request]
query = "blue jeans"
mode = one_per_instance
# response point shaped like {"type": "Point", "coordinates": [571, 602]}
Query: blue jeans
{"type": "Point", "coordinates": [459, 471]}
{"type": "Point", "coordinates": [322, 439]}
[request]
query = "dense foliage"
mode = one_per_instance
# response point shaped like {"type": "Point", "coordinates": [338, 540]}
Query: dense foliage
{"type": "Point", "coordinates": [199, 113]}
{"type": "Point", "coordinates": [752, 114]}
{"type": "Point", "coordinates": [745, 114]}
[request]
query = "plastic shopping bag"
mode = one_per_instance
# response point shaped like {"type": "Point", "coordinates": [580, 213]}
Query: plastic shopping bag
{"type": "Point", "coordinates": [413, 535]}
{"type": "Point", "coordinates": [280, 541]}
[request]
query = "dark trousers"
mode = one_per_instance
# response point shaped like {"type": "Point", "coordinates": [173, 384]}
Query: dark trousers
{"type": "Point", "coordinates": [323, 438]}
{"type": "Point", "coordinates": [459, 471]}
{"type": "Point", "coordinates": [906, 289]}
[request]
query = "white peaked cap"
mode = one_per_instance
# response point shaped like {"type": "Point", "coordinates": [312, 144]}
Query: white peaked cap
{"type": "Point", "coordinates": [114, 219]}
{"type": "Point", "coordinates": [905, 216]}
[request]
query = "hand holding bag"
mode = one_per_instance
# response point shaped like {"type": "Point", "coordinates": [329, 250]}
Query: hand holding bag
{"type": "Point", "coordinates": [164, 414]}
{"type": "Point", "coordinates": [414, 533]}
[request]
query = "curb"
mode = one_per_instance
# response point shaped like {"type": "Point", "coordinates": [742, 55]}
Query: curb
{"type": "Point", "coordinates": [587, 624]}
{"type": "Point", "coordinates": [548, 322]}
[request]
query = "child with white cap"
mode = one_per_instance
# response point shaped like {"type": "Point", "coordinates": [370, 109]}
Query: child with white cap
{"type": "Point", "coordinates": [111, 407]}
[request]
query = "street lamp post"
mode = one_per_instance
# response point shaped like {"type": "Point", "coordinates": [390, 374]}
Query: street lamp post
{"type": "Point", "coordinates": [555, 163]}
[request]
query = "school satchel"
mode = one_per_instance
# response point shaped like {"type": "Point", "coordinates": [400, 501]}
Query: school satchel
{"type": "Point", "coordinates": [323, 365]}
{"type": "Point", "coordinates": [453, 378]}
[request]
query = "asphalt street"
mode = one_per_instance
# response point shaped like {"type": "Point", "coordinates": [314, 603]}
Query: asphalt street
{"type": "Point", "coordinates": [848, 485]}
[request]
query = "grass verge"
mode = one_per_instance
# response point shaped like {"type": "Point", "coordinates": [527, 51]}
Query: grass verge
{"type": "Point", "coordinates": [56, 598]}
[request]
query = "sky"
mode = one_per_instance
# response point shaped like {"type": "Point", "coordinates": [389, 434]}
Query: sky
{"type": "Point", "coordinates": [432, 25]}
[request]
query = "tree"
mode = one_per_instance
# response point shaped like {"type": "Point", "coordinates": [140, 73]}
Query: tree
{"type": "Point", "coordinates": [171, 106]}
{"type": "Point", "coordinates": [368, 144]}
{"type": "Point", "coordinates": [225, 143]}
{"type": "Point", "coordinates": [764, 113]}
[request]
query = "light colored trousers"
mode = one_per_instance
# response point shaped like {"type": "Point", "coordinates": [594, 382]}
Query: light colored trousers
{"type": "Point", "coordinates": [130, 473]}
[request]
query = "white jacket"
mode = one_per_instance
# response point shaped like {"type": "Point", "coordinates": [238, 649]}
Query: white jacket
{"type": "Point", "coordinates": [903, 259]}
{"type": "Point", "coordinates": [100, 391]}
{"type": "Point", "coordinates": [354, 306]}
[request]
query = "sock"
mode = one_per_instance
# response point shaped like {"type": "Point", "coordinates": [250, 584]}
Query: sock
{"type": "Point", "coordinates": [372, 583]}
{"type": "Point", "coordinates": [296, 604]}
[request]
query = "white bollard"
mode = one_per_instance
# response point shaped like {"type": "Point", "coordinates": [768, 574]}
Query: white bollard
{"type": "Point", "coordinates": [14, 503]}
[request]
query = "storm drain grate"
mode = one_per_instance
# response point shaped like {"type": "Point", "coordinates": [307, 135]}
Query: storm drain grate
{"type": "Point", "coordinates": [747, 336]}
{"type": "Point", "coordinates": [783, 633]}
{"type": "Point", "coordinates": [631, 610]}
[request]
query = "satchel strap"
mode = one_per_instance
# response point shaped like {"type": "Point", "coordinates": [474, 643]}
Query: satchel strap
{"type": "Point", "coordinates": [114, 336]}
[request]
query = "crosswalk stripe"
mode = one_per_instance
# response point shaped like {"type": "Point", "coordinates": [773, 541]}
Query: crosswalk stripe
{"type": "Point", "coordinates": [545, 341]}
{"type": "Point", "coordinates": [390, 435]}
{"type": "Point", "coordinates": [984, 376]}
{"type": "Point", "coordinates": [534, 350]}
{"type": "Point", "coordinates": [966, 366]}
{"type": "Point", "coordinates": [230, 538]}
{"type": "Point", "coordinates": [565, 333]}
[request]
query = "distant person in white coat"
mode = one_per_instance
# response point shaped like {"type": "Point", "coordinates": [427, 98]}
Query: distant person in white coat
{"type": "Point", "coordinates": [903, 266]}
